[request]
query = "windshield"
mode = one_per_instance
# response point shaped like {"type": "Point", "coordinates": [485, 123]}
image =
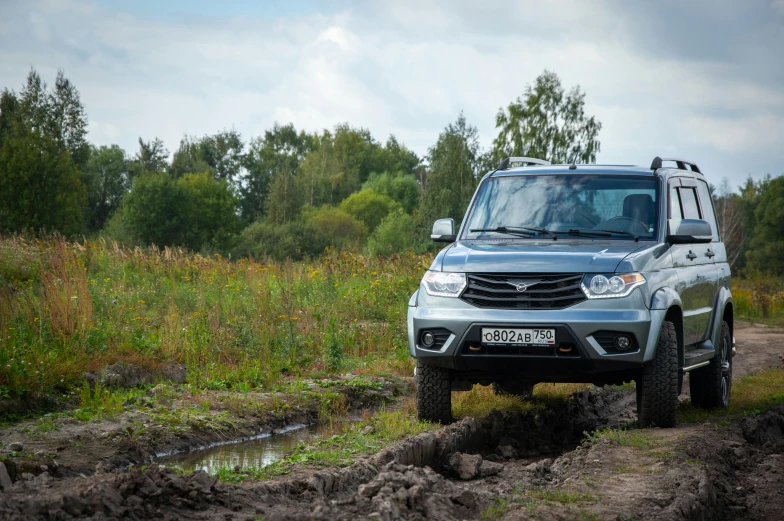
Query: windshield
{"type": "Point", "coordinates": [588, 206]}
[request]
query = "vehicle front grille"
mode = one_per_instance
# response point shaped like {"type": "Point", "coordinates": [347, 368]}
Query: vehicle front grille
{"type": "Point", "coordinates": [524, 290]}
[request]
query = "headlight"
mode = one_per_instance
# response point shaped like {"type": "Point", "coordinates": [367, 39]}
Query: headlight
{"type": "Point", "coordinates": [440, 284]}
{"type": "Point", "coordinates": [613, 285]}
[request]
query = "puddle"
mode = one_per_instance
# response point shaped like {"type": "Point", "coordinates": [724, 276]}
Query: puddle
{"type": "Point", "coordinates": [253, 453]}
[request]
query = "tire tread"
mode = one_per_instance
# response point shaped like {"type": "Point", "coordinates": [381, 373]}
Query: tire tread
{"type": "Point", "coordinates": [658, 398]}
{"type": "Point", "coordinates": [434, 394]}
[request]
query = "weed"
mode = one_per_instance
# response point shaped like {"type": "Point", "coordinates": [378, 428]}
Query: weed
{"type": "Point", "coordinates": [637, 439]}
{"type": "Point", "coordinates": [751, 394]}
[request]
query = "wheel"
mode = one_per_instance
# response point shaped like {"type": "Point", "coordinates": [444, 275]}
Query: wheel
{"type": "Point", "coordinates": [434, 393]}
{"type": "Point", "coordinates": [657, 387]}
{"type": "Point", "coordinates": [710, 386]}
{"type": "Point", "coordinates": [513, 388]}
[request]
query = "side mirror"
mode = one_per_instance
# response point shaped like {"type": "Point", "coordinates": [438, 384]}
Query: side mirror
{"type": "Point", "coordinates": [444, 230]}
{"type": "Point", "coordinates": [690, 231]}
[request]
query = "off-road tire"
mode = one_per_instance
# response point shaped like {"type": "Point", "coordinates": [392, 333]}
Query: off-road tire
{"type": "Point", "coordinates": [522, 389]}
{"type": "Point", "coordinates": [657, 387]}
{"type": "Point", "coordinates": [705, 384]}
{"type": "Point", "coordinates": [434, 393]}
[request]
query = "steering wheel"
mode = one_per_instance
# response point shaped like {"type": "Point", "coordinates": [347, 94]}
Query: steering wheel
{"type": "Point", "coordinates": [630, 221]}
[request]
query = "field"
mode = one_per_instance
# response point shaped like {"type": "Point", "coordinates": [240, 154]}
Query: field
{"type": "Point", "coordinates": [69, 308]}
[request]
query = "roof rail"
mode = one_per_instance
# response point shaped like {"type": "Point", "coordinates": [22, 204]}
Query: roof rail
{"type": "Point", "coordinates": [680, 163]}
{"type": "Point", "coordinates": [525, 160]}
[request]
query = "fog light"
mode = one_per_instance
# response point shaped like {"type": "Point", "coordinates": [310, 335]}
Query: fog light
{"type": "Point", "coordinates": [428, 339]}
{"type": "Point", "coordinates": [622, 342]}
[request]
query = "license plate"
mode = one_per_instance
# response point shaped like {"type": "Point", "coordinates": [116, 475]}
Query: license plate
{"type": "Point", "coordinates": [517, 337]}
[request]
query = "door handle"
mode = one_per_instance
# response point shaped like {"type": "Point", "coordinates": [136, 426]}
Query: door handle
{"type": "Point", "coordinates": [710, 254]}
{"type": "Point", "coordinates": [691, 255]}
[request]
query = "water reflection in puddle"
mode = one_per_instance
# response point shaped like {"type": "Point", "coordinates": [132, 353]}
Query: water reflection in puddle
{"type": "Point", "coordinates": [255, 453]}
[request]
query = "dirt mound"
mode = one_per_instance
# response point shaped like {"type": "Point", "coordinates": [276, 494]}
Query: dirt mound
{"type": "Point", "coordinates": [404, 492]}
{"type": "Point", "coordinates": [134, 495]}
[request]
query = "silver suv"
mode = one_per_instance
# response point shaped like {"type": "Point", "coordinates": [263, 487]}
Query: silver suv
{"type": "Point", "coordinates": [578, 273]}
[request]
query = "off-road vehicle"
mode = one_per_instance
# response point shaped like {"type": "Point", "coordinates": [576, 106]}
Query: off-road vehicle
{"type": "Point", "coordinates": [578, 273]}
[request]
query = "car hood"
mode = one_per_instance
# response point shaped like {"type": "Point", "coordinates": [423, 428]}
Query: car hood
{"type": "Point", "coordinates": [561, 256]}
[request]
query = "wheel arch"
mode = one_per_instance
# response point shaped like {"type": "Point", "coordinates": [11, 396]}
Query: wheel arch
{"type": "Point", "coordinates": [675, 315]}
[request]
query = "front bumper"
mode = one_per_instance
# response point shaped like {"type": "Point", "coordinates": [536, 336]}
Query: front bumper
{"type": "Point", "coordinates": [574, 326]}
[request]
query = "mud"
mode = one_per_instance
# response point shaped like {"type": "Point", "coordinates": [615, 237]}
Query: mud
{"type": "Point", "coordinates": [536, 466]}
{"type": "Point", "coordinates": [172, 419]}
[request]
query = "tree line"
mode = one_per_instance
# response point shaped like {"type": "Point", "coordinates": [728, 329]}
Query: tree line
{"type": "Point", "coordinates": [290, 193]}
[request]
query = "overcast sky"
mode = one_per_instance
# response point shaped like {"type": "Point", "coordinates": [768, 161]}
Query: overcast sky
{"type": "Point", "coordinates": [700, 80]}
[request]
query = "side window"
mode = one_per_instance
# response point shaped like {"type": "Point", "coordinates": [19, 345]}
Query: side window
{"type": "Point", "coordinates": [706, 203]}
{"type": "Point", "coordinates": [676, 214]}
{"type": "Point", "coordinates": [691, 209]}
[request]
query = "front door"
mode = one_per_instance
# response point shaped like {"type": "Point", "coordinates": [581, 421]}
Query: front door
{"type": "Point", "coordinates": [693, 263]}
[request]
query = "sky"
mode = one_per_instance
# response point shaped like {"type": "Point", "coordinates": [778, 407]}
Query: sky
{"type": "Point", "coordinates": [701, 80]}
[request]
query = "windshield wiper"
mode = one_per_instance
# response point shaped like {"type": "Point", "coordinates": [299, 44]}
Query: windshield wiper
{"type": "Point", "coordinates": [502, 229]}
{"type": "Point", "coordinates": [623, 232]}
{"type": "Point", "coordinates": [539, 230]}
{"type": "Point", "coordinates": [575, 231]}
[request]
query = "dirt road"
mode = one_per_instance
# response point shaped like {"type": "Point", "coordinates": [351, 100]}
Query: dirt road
{"type": "Point", "coordinates": [514, 466]}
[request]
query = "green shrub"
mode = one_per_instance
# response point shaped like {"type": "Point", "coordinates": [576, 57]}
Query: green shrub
{"type": "Point", "coordinates": [369, 207]}
{"type": "Point", "coordinates": [397, 232]}
{"type": "Point", "coordinates": [401, 187]}
{"type": "Point", "coordinates": [195, 211]}
{"type": "Point", "coordinates": [295, 240]}
{"type": "Point", "coordinates": [338, 228]}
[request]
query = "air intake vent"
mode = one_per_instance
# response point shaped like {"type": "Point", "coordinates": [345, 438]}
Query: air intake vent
{"type": "Point", "coordinates": [524, 290]}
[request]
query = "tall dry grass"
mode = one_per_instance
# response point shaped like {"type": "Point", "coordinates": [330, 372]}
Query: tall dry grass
{"type": "Point", "coordinates": [67, 308]}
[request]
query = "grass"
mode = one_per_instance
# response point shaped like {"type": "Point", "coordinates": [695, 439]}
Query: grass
{"type": "Point", "coordinates": [67, 308]}
{"type": "Point", "coordinates": [342, 448]}
{"type": "Point", "coordinates": [759, 299]}
{"type": "Point", "coordinates": [752, 394]}
{"type": "Point", "coordinates": [638, 439]}
{"type": "Point", "coordinates": [533, 498]}
{"type": "Point", "coordinates": [480, 400]}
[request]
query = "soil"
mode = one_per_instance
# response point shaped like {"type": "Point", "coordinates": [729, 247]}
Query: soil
{"type": "Point", "coordinates": [510, 465]}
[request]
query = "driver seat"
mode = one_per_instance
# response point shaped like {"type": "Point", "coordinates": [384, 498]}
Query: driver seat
{"type": "Point", "coordinates": [639, 207]}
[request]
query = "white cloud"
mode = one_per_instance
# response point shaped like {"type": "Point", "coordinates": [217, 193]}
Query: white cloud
{"type": "Point", "coordinates": [408, 68]}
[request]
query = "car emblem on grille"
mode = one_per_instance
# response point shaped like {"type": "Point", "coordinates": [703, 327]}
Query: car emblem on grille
{"type": "Point", "coordinates": [523, 286]}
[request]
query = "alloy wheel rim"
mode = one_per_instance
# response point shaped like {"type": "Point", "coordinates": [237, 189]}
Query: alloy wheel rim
{"type": "Point", "coordinates": [726, 372]}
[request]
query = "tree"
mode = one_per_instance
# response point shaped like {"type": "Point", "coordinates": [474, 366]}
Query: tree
{"type": "Point", "coordinates": [107, 180]}
{"type": "Point", "coordinates": [151, 157]}
{"type": "Point", "coordinates": [41, 147]}
{"type": "Point", "coordinates": [369, 207]}
{"type": "Point", "coordinates": [338, 164]}
{"type": "Point", "coordinates": [547, 123]}
{"type": "Point", "coordinates": [279, 150]}
{"type": "Point", "coordinates": [221, 155]}
{"type": "Point", "coordinates": [730, 217]}
{"type": "Point", "coordinates": [401, 187]}
{"type": "Point", "coordinates": [452, 172]}
{"type": "Point", "coordinates": [40, 188]}
{"type": "Point", "coordinates": [210, 211]}
{"type": "Point", "coordinates": [397, 233]}
{"type": "Point", "coordinates": [196, 211]}
{"type": "Point", "coordinates": [392, 157]}
{"type": "Point", "coordinates": [338, 227]}
{"type": "Point", "coordinates": [766, 251]}
{"type": "Point", "coordinates": [57, 113]}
